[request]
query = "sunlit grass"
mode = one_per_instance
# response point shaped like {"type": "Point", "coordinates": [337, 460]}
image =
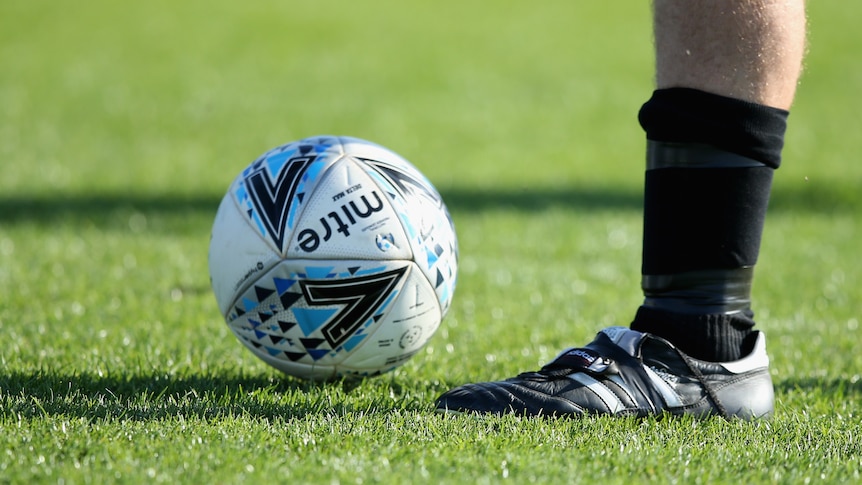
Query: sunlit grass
{"type": "Point", "coordinates": [122, 124]}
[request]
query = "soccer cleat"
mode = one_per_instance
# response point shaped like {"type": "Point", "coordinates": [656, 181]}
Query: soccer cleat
{"type": "Point", "coordinates": [627, 373]}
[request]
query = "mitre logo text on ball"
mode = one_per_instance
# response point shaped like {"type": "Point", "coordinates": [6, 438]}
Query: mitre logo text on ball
{"type": "Point", "coordinates": [341, 222]}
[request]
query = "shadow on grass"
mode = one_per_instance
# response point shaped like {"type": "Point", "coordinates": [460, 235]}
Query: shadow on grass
{"type": "Point", "coordinates": [115, 210]}
{"type": "Point", "coordinates": [163, 397]}
{"type": "Point", "coordinates": [158, 396]}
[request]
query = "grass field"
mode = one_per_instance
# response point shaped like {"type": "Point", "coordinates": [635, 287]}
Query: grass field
{"type": "Point", "coordinates": [122, 123]}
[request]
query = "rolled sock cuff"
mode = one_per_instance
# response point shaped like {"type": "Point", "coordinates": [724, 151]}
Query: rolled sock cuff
{"type": "Point", "coordinates": [692, 116]}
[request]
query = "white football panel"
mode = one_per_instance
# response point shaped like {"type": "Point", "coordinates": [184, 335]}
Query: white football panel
{"type": "Point", "coordinates": [348, 216]}
{"type": "Point", "coordinates": [238, 255]}
{"type": "Point", "coordinates": [409, 323]}
{"type": "Point", "coordinates": [423, 215]}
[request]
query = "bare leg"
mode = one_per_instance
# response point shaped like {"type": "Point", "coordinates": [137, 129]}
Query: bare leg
{"type": "Point", "coordinates": [745, 49]}
{"type": "Point", "coordinates": [726, 74]}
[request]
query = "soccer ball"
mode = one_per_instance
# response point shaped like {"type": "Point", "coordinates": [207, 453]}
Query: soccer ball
{"type": "Point", "coordinates": [333, 256]}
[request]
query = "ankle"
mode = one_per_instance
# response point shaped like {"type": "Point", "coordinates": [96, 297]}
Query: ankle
{"type": "Point", "coordinates": [712, 337]}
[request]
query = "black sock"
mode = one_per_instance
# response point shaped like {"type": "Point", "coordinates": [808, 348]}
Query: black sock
{"type": "Point", "coordinates": [710, 161]}
{"type": "Point", "coordinates": [712, 337]}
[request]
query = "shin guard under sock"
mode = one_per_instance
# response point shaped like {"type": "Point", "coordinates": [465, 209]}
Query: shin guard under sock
{"type": "Point", "coordinates": [710, 161]}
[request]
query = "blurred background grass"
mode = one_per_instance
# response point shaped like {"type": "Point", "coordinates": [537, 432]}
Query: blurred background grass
{"type": "Point", "coordinates": [122, 124]}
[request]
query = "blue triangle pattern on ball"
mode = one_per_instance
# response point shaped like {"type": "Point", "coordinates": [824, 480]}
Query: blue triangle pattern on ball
{"type": "Point", "coordinates": [241, 194]}
{"type": "Point", "coordinates": [317, 354]}
{"type": "Point", "coordinates": [310, 319]}
{"type": "Point", "coordinates": [273, 352]}
{"type": "Point", "coordinates": [353, 341]}
{"type": "Point", "coordinates": [248, 304]}
{"type": "Point", "coordinates": [282, 285]}
{"type": "Point", "coordinates": [431, 255]}
{"type": "Point", "coordinates": [262, 293]}
{"type": "Point", "coordinates": [288, 299]}
{"type": "Point", "coordinates": [318, 272]}
{"type": "Point", "coordinates": [276, 161]}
